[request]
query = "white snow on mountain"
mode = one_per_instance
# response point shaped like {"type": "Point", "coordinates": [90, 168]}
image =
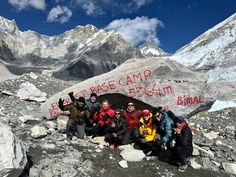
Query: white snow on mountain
{"type": "Point", "coordinates": [219, 105]}
{"type": "Point", "coordinates": [150, 49]}
{"type": "Point", "coordinates": [214, 52]}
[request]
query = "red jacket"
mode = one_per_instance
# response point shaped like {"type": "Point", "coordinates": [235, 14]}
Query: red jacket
{"type": "Point", "coordinates": [132, 118]}
{"type": "Point", "coordinates": [103, 117]}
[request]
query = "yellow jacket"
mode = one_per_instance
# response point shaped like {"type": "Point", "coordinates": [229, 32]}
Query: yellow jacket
{"type": "Point", "coordinates": [149, 127]}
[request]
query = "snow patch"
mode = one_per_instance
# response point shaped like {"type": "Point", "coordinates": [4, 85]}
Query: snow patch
{"type": "Point", "coordinates": [219, 105]}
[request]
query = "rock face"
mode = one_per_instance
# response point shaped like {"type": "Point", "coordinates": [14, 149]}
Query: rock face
{"type": "Point", "coordinates": [73, 54]}
{"type": "Point", "coordinates": [155, 81]}
{"type": "Point", "coordinates": [12, 153]}
{"type": "Point", "coordinates": [5, 73]}
{"type": "Point", "coordinates": [213, 51]}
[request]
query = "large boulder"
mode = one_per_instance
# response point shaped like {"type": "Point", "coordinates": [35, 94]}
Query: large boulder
{"type": "Point", "coordinates": [154, 81]}
{"type": "Point", "coordinates": [12, 153]}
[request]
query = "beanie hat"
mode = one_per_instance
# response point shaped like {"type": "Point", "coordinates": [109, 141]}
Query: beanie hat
{"type": "Point", "coordinates": [81, 99]}
{"type": "Point", "coordinates": [93, 94]}
{"type": "Point", "coordinates": [117, 110]}
{"type": "Point", "coordinates": [146, 112]}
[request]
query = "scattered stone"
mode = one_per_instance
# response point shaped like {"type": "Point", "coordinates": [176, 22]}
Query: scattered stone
{"type": "Point", "coordinates": [50, 124]}
{"type": "Point", "coordinates": [61, 123]}
{"type": "Point", "coordinates": [229, 168]}
{"type": "Point", "coordinates": [123, 164]}
{"type": "Point", "coordinates": [195, 152]}
{"type": "Point", "coordinates": [218, 143]}
{"type": "Point", "coordinates": [34, 172]}
{"type": "Point", "coordinates": [132, 155]}
{"type": "Point", "coordinates": [26, 118]}
{"type": "Point", "coordinates": [99, 140]}
{"type": "Point", "coordinates": [5, 92]}
{"type": "Point", "coordinates": [194, 164]}
{"type": "Point", "coordinates": [28, 91]}
{"type": "Point", "coordinates": [208, 152]}
{"type": "Point", "coordinates": [212, 135]}
{"type": "Point", "coordinates": [38, 132]}
{"type": "Point", "coordinates": [33, 75]}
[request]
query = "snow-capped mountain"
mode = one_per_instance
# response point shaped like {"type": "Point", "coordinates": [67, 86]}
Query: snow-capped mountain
{"type": "Point", "coordinates": [81, 52]}
{"type": "Point", "coordinates": [214, 51]}
{"type": "Point", "coordinates": [150, 49]}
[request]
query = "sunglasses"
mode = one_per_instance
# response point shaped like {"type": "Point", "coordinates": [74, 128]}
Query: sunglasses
{"type": "Point", "coordinates": [117, 113]}
{"type": "Point", "coordinates": [130, 105]}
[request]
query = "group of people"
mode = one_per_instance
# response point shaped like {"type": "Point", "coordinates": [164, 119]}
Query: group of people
{"type": "Point", "coordinates": [156, 131]}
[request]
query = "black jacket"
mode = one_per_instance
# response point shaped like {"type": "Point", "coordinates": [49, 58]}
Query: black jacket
{"type": "Point", "coordinates": [120, 126]}
{"type": "Point", "coordinates": [185, 138]}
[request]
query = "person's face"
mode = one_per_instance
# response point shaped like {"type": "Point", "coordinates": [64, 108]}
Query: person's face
{"type": "Point", "coordinates": [81, 104]}
{"type": "Point", "coordinates": [105, 105]}
{"type": "Point", "coordinates": [131, 106]}
{"type": "Point", "coordinates": [117, 115]}
{"type": "Point", "coordinates": [158, 116]}
{"type": "Point", "coordinates": [146, 118]}
{"type": "Point", "coordinates": [93, 99]}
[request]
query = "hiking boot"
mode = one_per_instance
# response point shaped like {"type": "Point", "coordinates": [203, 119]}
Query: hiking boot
{"type": "Point", "coordinates": [182, 168]}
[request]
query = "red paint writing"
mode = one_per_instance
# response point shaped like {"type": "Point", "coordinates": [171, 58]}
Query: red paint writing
{"type": "Point", "coordinates": [186, 100]}
{"type": "Point", "coordinates": [149, 89]}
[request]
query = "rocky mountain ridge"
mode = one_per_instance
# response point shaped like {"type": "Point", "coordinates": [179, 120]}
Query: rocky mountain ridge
{"type": "Point", "coordinates": [80, 53]}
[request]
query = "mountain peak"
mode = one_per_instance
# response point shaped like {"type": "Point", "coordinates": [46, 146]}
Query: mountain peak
{"type": "Point", "coordinates": [7, 25]}
{"type": "Point", "coordinates": [150, 48]}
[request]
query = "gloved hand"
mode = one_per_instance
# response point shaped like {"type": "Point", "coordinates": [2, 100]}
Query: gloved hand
{"type": "Point", "coordinates": [145, 132]}
{"type": "Point", "coordinates": [71, 95]}
{"type": "Point", "coordinates": [60, 104]}
{"type": "Point", "coordinates": [143, 140]}
{"type": "Point", "coordinates": [157, 138]}
{"type": "Point", "coordinates": [163, 147]}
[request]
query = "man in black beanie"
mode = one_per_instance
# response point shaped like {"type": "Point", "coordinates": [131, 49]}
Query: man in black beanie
{"type": "Point", "coordinates": [78, 113]}
{"type": "Point", "coordinates": [93, 106]}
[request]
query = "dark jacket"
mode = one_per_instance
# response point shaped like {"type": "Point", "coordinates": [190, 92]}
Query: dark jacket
{"type": "Point", "coordinates": [120, 126]}
{"type": "Point", "coordinates": [164, 127]}
{"type": "Point", "coordinates": [93, 107]}
{"type": "Point", "coordinates": [185, 138]}
{"type": "Point", "coordinates": [78, 113]}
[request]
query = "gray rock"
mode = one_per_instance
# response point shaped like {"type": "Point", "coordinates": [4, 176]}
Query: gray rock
{"type": "Point", "coordinates": [28, 91]}
{"type": "Point", "coordinates": [132, 155]}
{"type": "Point", "coordinates": [123, 164]}
{"type": "Point", "coordinates": [148, 81]}
{"type": "Point", "coordinates": [38, 132]}
{"type": "Point", "coordinates": [229, 168]}
{"type": "Point", "coordinates": [12, 152]}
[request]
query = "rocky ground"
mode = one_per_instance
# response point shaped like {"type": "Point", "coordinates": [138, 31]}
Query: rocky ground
{"type": "Point", "coordinates": [51, 155]}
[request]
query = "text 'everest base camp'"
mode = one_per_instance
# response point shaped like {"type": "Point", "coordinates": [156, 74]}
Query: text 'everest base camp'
{"type": "Point", "coordinates": [197, 83]}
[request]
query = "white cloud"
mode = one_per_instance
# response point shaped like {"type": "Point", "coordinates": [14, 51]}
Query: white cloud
{"type": "Point", "coordinates": [59, 14]}
{"type": "Point", "coordinates": [22, 4]}
{"type": "Point", "coordinates": [138, 30]}
{"type": "Point", "coordinates": [100, 7]}
{"type": "Point", "coordinates": [91, 8]}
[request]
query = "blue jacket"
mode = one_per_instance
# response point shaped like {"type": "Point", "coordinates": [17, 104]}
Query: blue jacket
{"type": "Point", "coordinates": [165, 127]}
{"type": "Point", "coordinates": [93, 107]}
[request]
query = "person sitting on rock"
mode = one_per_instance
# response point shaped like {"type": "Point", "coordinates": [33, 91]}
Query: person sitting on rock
{"type": "Point", "coordinates": [183, 147]}
{"type": "Point", "coordinates": [147, 132]}
{"type": "Point", "coordinates": [164, 127]}
{"type": "Point", "coordinates": [78, 112]}
{"type": "Point", "coordinates": [115, 130]}
{"type": "Point", "coordinates": [102, 119]}
{"type": "Point", "coordinates": [131, 116]}
{"type": "Point", "coordinates": [94, 106]}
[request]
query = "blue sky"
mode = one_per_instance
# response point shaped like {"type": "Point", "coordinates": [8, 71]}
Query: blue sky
{"type": "Point", "coordinates": [170, 23]}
